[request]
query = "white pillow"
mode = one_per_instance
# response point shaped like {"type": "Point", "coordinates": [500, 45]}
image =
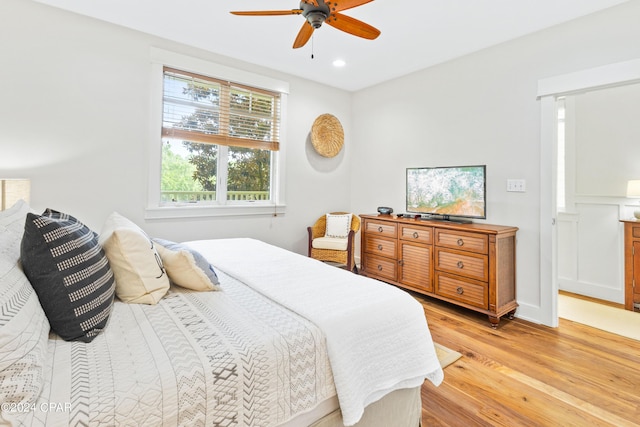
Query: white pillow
{"type": "Point", "coordinates": [186, 267]}
{"type": "Point", "coordinates": [135, 262]}
{"type": "Point", "coordinates": [24, 328]}
{"type": "Point", "coordinates": [338, 225]}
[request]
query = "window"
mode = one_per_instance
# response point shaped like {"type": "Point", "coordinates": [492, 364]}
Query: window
{"type": "Point", "coordinates": [218, 140]}
{"type": "Point", "coordinates": [561, 185]}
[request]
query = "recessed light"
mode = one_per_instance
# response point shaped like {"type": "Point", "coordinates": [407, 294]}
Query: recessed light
{"type": "Point", "coordinates": [339, 63]}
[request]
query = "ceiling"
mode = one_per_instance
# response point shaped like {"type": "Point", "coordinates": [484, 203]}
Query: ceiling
{"type": "Point", "coordinates": [416, 34]}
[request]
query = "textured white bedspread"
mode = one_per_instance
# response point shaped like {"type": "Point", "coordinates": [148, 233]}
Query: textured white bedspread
{"type": "Point", "coordinates": [377, 335]}
{"type": "Point", "coordinates": [228, 358]}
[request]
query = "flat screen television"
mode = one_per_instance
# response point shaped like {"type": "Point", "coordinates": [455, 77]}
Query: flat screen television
{"type": "Point", "coordinates": [448, 193]}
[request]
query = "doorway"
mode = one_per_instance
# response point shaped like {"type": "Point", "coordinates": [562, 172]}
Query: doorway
{"type": "Point", "coordinates": [598, 154]}
{"type": "Point", "coordinates": [549, 92]}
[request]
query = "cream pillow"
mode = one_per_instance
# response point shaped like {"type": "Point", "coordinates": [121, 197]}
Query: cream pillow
{"type": "Point", "coordinates": [187, 267]}
{"type": "Point", "coordinates": [136, 265]}
{"type": "Point", "coordinates": [338, 225]}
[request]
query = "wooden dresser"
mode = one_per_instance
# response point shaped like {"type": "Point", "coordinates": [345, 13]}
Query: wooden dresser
{"type": "Point", "coordinates": [631, 264]}
{"type": "Point", "coordinates": [471, 265]}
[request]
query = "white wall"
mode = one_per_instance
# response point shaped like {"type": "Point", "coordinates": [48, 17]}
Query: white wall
{"type": "Point", "coordinates": [607, 133]}
{"type": "Point", "coordinates": [75, 113]}
{"type": "Point", "coordinates": [482, 109]}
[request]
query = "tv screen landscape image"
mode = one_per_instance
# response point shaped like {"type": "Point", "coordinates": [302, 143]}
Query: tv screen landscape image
{"type": "Point", "coordinates": [457, 191]}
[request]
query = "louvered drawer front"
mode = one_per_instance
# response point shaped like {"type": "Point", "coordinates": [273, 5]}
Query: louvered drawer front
{"type": "Point", "coordinates": [378, 246]}
{"type": "Point", "coordinates": [468, 292]}
{"type": "Point", "coordinates": [381, 267]}
{"type": "Point", "coordinates": [472, 242]}
{"type": "Point", "coordinates": [381, 228]}
{"type": "Point", "coordinates": [416, 234]}
{"type": "Point", "coordinates": [465, 264]}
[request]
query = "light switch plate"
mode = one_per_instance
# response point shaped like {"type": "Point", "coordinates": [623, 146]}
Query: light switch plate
{"type": "Point", "coordinates": [517, 185]}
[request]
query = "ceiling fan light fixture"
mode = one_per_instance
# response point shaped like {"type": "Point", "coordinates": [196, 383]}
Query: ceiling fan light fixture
{"type": "Point", "coordinates": [316, 18]}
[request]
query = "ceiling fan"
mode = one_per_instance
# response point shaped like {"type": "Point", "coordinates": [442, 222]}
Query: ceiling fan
{"type": "Point", "coordinates": [317, 12]}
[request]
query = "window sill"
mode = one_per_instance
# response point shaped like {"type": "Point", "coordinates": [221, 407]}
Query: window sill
{"type": "Point", "coordinates": [194, 211]}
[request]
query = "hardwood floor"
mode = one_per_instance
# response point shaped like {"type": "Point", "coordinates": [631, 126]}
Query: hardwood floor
{"type": "Point", "coordinates": [524, 374]}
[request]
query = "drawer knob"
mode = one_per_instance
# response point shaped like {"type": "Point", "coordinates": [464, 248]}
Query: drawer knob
{"type": "Point", "coordinates": [415, 235]}
{"type": "Point", "coordinates": [379, 267]}
{"type": "Point", "coordinates": [460, 242]}
{"type": "Point", "coordinates": [400, 262]}
{"type": "Point", "coordinates": [379, 247]}
{"type": "Point", "coordinates": [380, 229]}
{"type": "Point", "coordinates": [460, 264]}
{"type": "Point", "coordinates": [460, 291]}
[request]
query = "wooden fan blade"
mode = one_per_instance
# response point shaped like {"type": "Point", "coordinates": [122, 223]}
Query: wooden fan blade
{"type": "Point", "coordinates": [339, 5]}
{"type": "Point", "coordinates": [352, 26]}
{"type": "Point", "coordinates": [313, 2]}
{"type": "Point", "coordinates": [268, 12]}
{"type": "Point", "coordinates": [303, 35]}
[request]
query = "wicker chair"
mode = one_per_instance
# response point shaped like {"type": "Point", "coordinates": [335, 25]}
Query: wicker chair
{"type": "Point", "coordinates": [343, 257]}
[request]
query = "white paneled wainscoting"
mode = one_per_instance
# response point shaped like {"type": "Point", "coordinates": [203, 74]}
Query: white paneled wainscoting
{"type": "Point", "coordinates": [591, 247]}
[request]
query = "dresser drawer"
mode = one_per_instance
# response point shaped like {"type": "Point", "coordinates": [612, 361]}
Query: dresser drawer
{"type": "Point", "coordinates": [472, 242]}
{"type": "Point", "coordinates": [636, 232]}
{"type": "Point", "coordinates": [416, 234]}
{"type": "Point", "coordinates": [380, 246]}
{"type": "Point", "coordinates": [474, 266]}
{"type": "Point", "coordinates": [381, 267]}
{"type": "Point", "coordinates": [381, 228]}
{"type": "Point", "coordinates": [466, 291]}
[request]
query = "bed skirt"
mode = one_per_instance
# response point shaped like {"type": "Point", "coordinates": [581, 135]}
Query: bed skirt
{"type": "Point", "coordinates": [400, 408]}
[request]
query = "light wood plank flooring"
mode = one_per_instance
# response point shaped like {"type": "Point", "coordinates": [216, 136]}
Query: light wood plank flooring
{"type": "Point", "coordinates": [523, 374]}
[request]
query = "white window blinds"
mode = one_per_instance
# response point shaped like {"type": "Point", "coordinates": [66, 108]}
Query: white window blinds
{"type": "Point", "coordinates": [207, 110]}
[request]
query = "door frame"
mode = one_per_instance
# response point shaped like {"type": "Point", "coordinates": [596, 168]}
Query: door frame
{"type": "Point", "coordinates": [549, 89]}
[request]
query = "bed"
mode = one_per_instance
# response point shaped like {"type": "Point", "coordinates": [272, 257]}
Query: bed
{"type": "Point", "coordinates": [281, 340]}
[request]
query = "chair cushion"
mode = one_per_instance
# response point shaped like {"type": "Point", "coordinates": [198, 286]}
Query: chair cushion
{"type": "Point", "coordinates": [332, 243]}
{"type": "Point", "coordinates": [338, 225]}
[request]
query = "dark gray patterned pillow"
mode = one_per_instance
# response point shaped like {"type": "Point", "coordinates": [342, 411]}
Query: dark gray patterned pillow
{"type": "Point", "coordinates": [70, 273]}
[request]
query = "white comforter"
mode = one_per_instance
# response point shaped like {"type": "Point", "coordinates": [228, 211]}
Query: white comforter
{"type": "Point", "coordinates": [377, 335]}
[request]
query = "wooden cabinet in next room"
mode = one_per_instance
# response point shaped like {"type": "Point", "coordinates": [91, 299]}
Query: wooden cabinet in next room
{"type": "Point", "coordinates": [631, 265]}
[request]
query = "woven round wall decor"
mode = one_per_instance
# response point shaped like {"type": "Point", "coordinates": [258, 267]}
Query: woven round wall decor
{"type": "Point", "coordinates": [327, 135]}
